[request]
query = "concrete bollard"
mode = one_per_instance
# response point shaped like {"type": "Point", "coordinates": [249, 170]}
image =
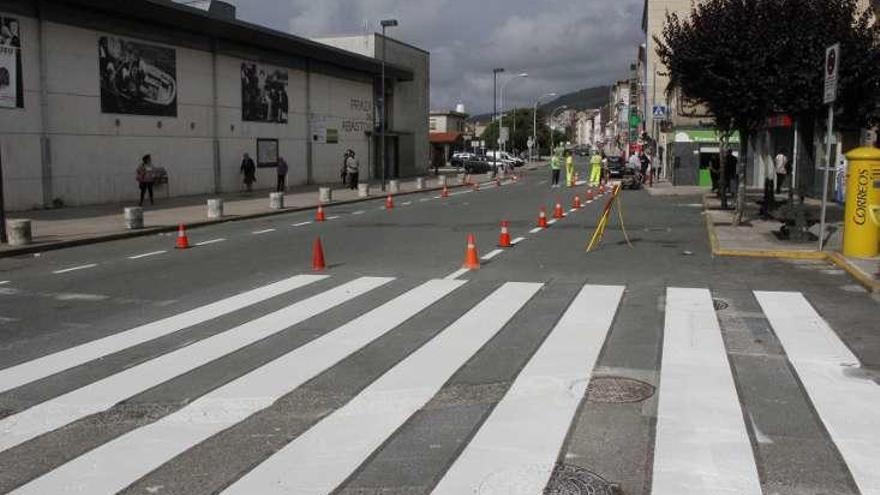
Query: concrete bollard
{"type": "Point", "coordinates": [363, 190]}
{"type": "Point", "coordinates": [325, 195]}
{"type": "Point", "coordinates": [215, 208]}
{"type": "Point", "coordinates": [134, 218]}
{"type": "Point", "coordinates": [394, 186]}
{"type": "Point", "coordinates": [420, 183]}
{"type": "Point", "coordinates": [19, 232]}
{"type": "Point", "coordinates": [441, 181]}
{"type": "Point", "coordinates": [276, 200]}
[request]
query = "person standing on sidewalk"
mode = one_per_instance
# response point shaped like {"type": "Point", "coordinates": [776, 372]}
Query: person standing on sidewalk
{"type": "Point", "coordinates": [768, 172]}
{"type": "Point", "coordinates": [781, 170]}
{"type": "Point", "coordinates": [146, 176]}
{"type": "Point", "coordinates": [248, 171]}
{"type": "Point", "coordinates": [352, 169]}
{"type": "Point", "coordinates": [595, 168]}
{"type": "Point", "coordinates": [282, 175]}
{"type": "Point", "coordinates": [554, 170]}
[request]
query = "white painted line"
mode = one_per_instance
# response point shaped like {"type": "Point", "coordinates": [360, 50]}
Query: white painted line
{"type": "Point", "coordinates": [103, 394]}
{"type": "Point", "coordinates": [517, 240]}
{"type": "Point", "coordinates": [542, 182]}
{"type": "Point", "coordinates": [468, 191]}
{"type": "Point", "coordinates": [552, 221]}
{"type": "Point", "coordinates": [335, 217]}
{"type": "Point", "coordinates": [265, 231]}
{"type": "Point", "coordinates": [438, 197]}
{"type": "Point", "coordinates": [75, 268]}
{"type": "Point", "coordinates": [4, 282]}
{"type": "Point", "coordinates": [146, 255]}
{"type": "Point", "coordinates": [846, 402]}
{"type": "Point", "coordinates": [536, 230]}
{"type": "Point", "coordinates": [454, 275]}
{"type": "Point", "coordinates": [39, 368]}
{"type": "Point", "coordinates": [359, 212]}
{"type": "Point", "coordinates": [590, 201]}
{"type": "Point", "coordinates": [406, 203]}
{"type": "Point", "coordinates": [702, 445]}
{"type": "Point", "coordinates": [491, 254]}
{"type": "Point", "coordinates": [424, 199]}
{"type": "Point", "coordinates": [516, 448]}
{"type": "Point", "coordinates": [302, 224]}
{"type": "Point", "coordinates": [572, 211]}
{"type": "Point", "coordinates": [212, 241]}
{"type": "Point", "coordinates": [122, 461]}
{"type": "Point", "coordinates": [320, 459]}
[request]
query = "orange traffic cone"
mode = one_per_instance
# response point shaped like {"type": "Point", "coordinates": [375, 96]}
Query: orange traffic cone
{"type": "Point", "coordinates": [471, 258]}
{"type": "Point", "coordinates": [319, 215]}
{"type": "Point", "coordinates": [182, 239]}
{"type": "Point", "coordinates": [542, 219]}
{"type": "Point", "coordinates": [389, 203]}
{"type": "Point", "coordinates": [504, 239]}
{"type": "Point", "coordinates": [557, 211]}
{"type": "Point", "coordinates": [577, 203]}
{"type": "Point", "coordinates": [318, 263]}
{"type": "Point", "coordinates": [589, 194]}
{"type": "Point", "coordinates": [445, 193]}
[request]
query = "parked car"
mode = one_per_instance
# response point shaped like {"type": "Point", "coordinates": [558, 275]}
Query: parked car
{"type": "Point", "coordinates": [478, 165]}
{"type": "Point", "coordinates": [615, 167]}
{"type": "Point", "coordinates": [458, 159]}
{"type": "Point", "coordinates": [506, 158]}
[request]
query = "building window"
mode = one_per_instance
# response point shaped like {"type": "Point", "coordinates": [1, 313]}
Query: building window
{"type": "Point", "coordinates": [433, 124]}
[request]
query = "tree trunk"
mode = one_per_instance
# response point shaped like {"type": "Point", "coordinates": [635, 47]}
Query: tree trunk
{"type": "Point", "coordinates": [741, 178]}
{"type": "Point", "coordinates": [722, 171]}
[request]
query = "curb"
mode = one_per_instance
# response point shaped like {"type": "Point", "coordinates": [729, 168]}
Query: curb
{"type": "Point", "coordinates": [832, 257]}
{"type": "Point", "coordinates": [39, 248]}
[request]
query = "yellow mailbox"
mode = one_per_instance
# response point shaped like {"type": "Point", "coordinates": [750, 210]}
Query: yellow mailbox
{"type": "Point", "coordinates": [861, 232]}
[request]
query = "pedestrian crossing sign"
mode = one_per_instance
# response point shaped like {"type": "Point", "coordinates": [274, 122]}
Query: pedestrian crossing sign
{"type": "Point", "coordinates": [659, 112]}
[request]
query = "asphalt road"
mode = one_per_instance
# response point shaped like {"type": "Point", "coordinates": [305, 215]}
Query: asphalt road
{"type": "Point", "coordinates": [230, 367]}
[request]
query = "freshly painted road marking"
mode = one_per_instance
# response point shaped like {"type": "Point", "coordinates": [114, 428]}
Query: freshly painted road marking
{"type": "Point", "coordinates": [146, 255]}
{"type": "Point", "coordinates": [846, 402]}
{"type": "Point", "coordinates": [552, 221]}
{"type": "Point", "coordinates": [39, 368]}
{"type": "Point", "coordinates": [517, 240]}
{"type": "Point", "coordinates": [406, 203]}
{"type": "Point", "coordinates": [320, 459]}
{"type": "Point", "coordinates": [542, 182]}
{"type": "Point", "coordinates": [702, 445]}
{"type": "Point", "coordinates": [212, 241]}
{"type": "Point", "coordinates": [461, 192]}
{"type": "Point", "coordinates": [75, 268]}
{"type": "Point", "coordinates": [302, 224]}
{"type": "Point", "coordinates": [572, 211]}
{"type": "Point", "coordinates": [516, 448]}
{"type": "Point", "coordinates": [359, 212]}
{"type": "Point", "coordinates": [491, 255]}
{"type": "Point", "coordinates": [454, 275]}
{"type": "Point", "coordinates": [4, 282]}
{"type": "Point", "coordinates": [438, 197]}
{"type": "Point", "coordinates": [103, 394]}
{"type": "Point", "coordinates": [536, 230]}
{"type": "Point", "coordinates": [264, 231]}
{"type": "Point", "coordinates": [425, 199]}
{"type": "Point", "coordinates": [116, 464]}
{"type": "Point", "coordinates": [333, 217]}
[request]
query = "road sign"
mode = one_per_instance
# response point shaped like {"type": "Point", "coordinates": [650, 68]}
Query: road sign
{"type": "Point", "coordinates": [659, 112]}
{"type": "Point", "coordinates": [832, 65]}
{"type": "Point", "coordinates": [530, 143]}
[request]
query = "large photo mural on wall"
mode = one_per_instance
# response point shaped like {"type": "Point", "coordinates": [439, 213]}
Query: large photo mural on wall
{"type": "Point", "coordinates": [263, 94]}
{"type": "Point", "coordinates": [11, 90]}
{"type": "Point", "coordinates": [137, 78]}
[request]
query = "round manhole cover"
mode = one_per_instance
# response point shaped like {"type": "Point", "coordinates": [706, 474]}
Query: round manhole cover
{"type": "Point", "coordinates": [574, 480]}
{"type": "Point", "coordinates": [720, 304]}
{"type": "Point", "coordinates": [614, 389]}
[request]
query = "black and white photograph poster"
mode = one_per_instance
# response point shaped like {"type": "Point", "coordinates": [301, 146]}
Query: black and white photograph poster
{"type": "Point", "coordinates": [137, 78]}
{"type": "Point", "coordinates": [11, 90]}
{"type": "Point", "coordinates": [263, 93]}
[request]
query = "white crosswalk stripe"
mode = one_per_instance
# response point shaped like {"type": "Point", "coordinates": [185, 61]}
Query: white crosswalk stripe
{"type": "Point", "coordinates": [702, 445]}
{"type": "Point", "coordinates": [848, 405]}
{"type": "Point", "coordinates": [103, 394]}
{"type": "Point", "coordinates": [324, 456]}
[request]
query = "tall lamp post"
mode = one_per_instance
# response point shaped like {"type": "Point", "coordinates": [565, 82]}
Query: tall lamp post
{"type": "Point", "coordinates": [495, 73]}
{"type": "Point", "coordinates": [560, 107]}
{"type": "Point", "coordinates": [535, 122]}
{"type": "Point", "coordinates": [385, 23]}
{"type": "Point", "coordinates": [501, 123]}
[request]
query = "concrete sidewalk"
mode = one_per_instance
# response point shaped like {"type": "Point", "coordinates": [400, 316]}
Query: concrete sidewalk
{"type": "Point", "coordinates": [758, 238]}
{"type": "Point", "coordinates": [66, 227]}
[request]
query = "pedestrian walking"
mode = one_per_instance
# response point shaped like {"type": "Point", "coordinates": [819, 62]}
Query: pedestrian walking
{"type": "Point", "coordinates": [768, 172]}
{"type": "Point", "coordinates": [715, 174]}
{"type": "Point", "coordinates": [645, 163]}
{"type": "Point", "coordinates": [248, 172]}
{"type": "Point", "coordinates": [569, 169]}
{"type": "Point", "coordinates": [352, 169]}
{"type": "Point", "coordinates": [282, 175]}
{"type": "Point", "coordinates": [782, 170]}
{"type": "Point", "coordinates": [554, 170]}
{"type": "Point", "coordinates": [596, 167]}
{"type": "Point", "coordinates": [146, 177]}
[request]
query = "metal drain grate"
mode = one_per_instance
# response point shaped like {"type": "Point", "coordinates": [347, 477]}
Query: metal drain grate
{"type": "Point", "coordinates": [720, 304]}
{"type": "Point", "coordinates": [615, 389]}
{"type": "Point", "coordinates": [574, 480]}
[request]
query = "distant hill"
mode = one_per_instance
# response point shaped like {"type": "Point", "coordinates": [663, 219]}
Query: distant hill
{"type": "Point", "coordinates": [583, 99]}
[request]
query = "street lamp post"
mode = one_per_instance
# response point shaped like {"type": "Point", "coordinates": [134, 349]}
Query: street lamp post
{"type": "Point", "coordinates": [501, 123]}
{"type": "Point", "coordinates": [385, 23]}
{"type": "Point", "coordinates": [560, 107]}
{"type": "Point", "coordinates": [495, 73]}
{"type": "Point", "coordinates": [535, 121]}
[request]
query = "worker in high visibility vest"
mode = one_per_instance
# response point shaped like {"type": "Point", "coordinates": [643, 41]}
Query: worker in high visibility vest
{"type": "Point", "coordinates": [554, 169]}
{"type": "Point", "coordinates": [596, 168]}
{"type": "Point", "coordinates": [569, 169]}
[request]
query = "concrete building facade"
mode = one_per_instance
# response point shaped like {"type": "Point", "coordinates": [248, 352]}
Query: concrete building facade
{"type": "Point", "coordinates": [105, 82]}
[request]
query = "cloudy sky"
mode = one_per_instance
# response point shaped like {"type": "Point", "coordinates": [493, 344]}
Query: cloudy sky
{"type": "Point", "coordinates": [564, 45]}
